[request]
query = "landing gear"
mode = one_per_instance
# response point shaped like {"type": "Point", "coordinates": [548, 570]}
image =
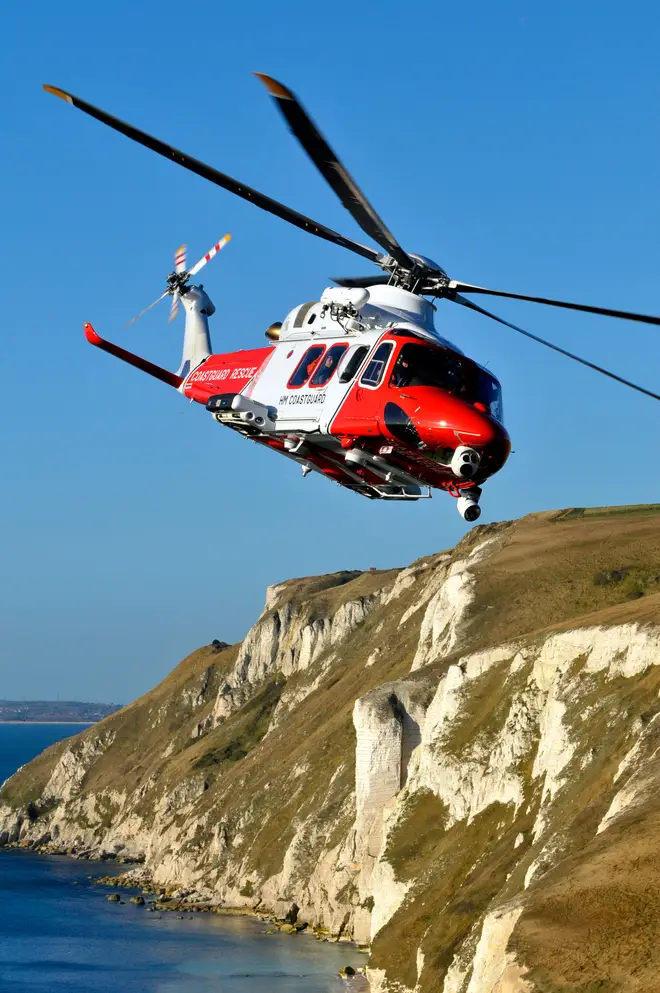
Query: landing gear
{"type": "Point", "coordinates": [468, 506]}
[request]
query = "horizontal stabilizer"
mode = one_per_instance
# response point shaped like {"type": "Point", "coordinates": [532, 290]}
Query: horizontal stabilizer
{"type": "Point", "coordinates": [153, 370]}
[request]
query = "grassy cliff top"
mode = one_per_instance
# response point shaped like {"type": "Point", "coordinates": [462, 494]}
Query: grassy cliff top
{"type": "Point", "coordinates": [567, 567]}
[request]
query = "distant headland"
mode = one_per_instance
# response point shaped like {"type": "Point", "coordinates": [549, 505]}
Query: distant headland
{"type": "Point", "coordinates": [54, 711]}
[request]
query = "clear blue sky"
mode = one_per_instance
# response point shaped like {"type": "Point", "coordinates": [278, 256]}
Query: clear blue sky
{"type": "Point", "coordinates": [516, 143]}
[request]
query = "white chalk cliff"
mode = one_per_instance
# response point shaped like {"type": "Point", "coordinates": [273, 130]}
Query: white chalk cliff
{"type": "Point", "coordinates": [436, 761]}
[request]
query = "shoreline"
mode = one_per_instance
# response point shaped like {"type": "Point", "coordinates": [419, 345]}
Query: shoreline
{"type": "Point", "coordinates": [143, 882]}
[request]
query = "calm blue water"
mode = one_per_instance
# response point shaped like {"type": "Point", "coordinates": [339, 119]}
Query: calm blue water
{"type": "Point", "coordinates": [21, 742]}
{"type": "Point", "coordinates": [59, 934]}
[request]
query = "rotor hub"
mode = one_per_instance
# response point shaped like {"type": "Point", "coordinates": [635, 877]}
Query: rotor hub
{"type": "Point", "coordinates": [177, 282]}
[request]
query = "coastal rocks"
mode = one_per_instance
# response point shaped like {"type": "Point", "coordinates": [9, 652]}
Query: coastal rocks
{"type": "Point", "coordinates": [286, 640]}
{"type": "Point", "coordinates": [442, 625]}
{"type": "Point", "coordinates": [379, 730]}
{"type": "Point", "coordinates": [291, 915]}
{"type": "Point", "coordinates": [469, 773]}
{"type": "Point", "coordinates": [493, 969]}
{"type": "Point", "coordinates": [69, 773]}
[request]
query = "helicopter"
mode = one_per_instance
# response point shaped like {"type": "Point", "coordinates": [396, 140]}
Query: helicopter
{"type": "Point", "coordinates": [358, 385]}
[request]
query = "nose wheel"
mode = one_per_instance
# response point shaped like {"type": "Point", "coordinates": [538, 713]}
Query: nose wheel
{"type": "Point", "coordinates": [468, 505]}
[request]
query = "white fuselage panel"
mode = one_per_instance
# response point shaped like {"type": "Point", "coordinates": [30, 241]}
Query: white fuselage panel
{"type": "Point", "coordinates": [311, 409]}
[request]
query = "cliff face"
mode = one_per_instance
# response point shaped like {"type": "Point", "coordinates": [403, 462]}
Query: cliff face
{"type": "Point", "coordinates": [455, 763]}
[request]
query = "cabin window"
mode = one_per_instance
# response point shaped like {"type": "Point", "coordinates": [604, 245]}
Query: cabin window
{"type": "Point", "coordinates": [375, 370]}
{"type": "Point", "coordinates": [354, 362]}
{"type": "Point", "coordinates": [327, 366]}
{"type": "Point", "coordinates": [306, 366]}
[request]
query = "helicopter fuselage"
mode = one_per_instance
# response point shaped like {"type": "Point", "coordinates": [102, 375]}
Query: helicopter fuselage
{"type": "Point", "coordinates": [374, 399]}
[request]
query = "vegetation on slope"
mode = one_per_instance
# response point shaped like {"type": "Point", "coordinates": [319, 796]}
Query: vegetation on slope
{"type": "Point", "coordinates": [559, 566]}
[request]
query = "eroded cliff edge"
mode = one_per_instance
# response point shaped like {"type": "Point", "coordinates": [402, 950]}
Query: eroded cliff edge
{"type": "Point", "coordinates": [455, 763]}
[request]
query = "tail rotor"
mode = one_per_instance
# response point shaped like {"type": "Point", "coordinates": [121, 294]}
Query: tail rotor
{"type": "Point", "coordinates": [177, 281]}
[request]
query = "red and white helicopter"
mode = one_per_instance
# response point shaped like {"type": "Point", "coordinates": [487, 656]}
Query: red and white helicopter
{"type": "Point", "coordinates": [358, 385]}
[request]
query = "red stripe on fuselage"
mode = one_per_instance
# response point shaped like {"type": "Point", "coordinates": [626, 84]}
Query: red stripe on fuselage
{"type": "Point", "coordinates": [229, 373]}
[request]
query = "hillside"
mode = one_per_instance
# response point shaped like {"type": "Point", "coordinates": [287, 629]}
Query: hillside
{"type": "Point", "coordinates": [454, 763]}
{"type": "Point", "coordinates": [55, 711]}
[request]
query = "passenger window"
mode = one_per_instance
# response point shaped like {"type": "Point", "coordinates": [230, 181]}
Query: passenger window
{"type": "Point", "coordinates": [326, 368]}
{"type": "Point", "coordinates": [373, 374]}
{"type": "Point", "coordinates": [306, 366]}
{"type": "Point", "coordinates": [354, 362]}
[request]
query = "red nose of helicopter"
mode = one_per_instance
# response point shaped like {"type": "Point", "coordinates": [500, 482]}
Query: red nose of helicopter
{"type": "Point", "coordinates": [441, 423]}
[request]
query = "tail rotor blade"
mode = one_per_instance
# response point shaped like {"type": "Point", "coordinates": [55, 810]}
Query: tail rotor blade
{"type": "Point", "coordinates": [180, 259]}
{"type": "Point", "coordinates": [209, 255]}
{"type": "Point", "coordinates": [174, 307]}
{"type": "Point", "coordinates": [138, 316]}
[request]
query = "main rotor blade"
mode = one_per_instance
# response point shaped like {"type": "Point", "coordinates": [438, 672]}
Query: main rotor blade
{"type": "Point", "coordinates": [562, 351]}
{"type": "Point", "coordinates": [334, 173]}
{"type": "Point", "coordinates": [220, 178]}
{"type": "Point", "coordinates": [608, 312]}
{"type": "Point", "coordinates": [209, 255]}
{"type": "Point", "coordinates": [138, 316]}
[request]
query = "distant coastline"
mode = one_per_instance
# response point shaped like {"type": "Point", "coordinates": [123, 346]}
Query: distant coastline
{"type": "Point", "coordinates": [54, 711]}
{"type": "Point", "coordinates": [59, 721]}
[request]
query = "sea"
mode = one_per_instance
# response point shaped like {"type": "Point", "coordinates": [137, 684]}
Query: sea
{"type": "Point", "coordinates": [60, 934]}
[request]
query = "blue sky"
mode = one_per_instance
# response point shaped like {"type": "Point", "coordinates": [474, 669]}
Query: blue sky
{"type": "Point", "coordinates": [516, 143]}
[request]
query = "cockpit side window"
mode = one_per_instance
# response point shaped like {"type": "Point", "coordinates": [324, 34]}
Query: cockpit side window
{"type": "Point", "coordinates": [421, 365]}
{"type": "Point", "coordinates": [306, 366]}
{"type": "Point", "coordinates": [490, 394]}
{"type": "Point", "coordinates": [375, 369]}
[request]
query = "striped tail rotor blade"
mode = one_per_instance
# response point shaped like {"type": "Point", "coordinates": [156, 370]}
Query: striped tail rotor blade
{"type": "Point", "coordinates": [180, 259]}
{"type": "Point", "coordinates": [174, 307]}
{"type": "Point", "coordinates": [137, 316]}
{"type": "Point", "coordinates": [209, 255]}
